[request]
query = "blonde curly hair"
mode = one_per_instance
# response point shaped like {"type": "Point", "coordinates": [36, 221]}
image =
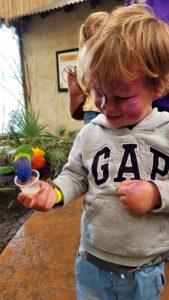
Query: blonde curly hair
{"type": "Point", "coordinates": [132, 43]}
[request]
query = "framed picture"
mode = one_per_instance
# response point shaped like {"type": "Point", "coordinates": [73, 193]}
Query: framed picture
{"type": "Point", "coordinates": [66, 61]}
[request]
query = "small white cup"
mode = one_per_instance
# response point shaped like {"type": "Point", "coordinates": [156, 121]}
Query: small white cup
{"type": "Point", "coordinates": [30, 187]}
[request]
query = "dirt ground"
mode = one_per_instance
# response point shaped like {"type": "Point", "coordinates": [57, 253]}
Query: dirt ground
{"type": "Point", "coordinates": [12, 217]}
{"type": "Point", "coordinates": [12, 214]}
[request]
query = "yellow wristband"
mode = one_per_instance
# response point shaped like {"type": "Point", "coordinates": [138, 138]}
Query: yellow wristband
{"type": "Point", "coordinates": [59, 195]}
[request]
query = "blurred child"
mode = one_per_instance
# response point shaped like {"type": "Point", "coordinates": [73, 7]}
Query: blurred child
{"type": "Point", "coordinates": [76, 92]}
{"type": "Point", "coordinates": [120, 162]}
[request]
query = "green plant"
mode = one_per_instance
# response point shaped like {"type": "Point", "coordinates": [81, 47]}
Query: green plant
{"type": "Point", "coordinates": [6, 169]}
{"type": "Point", "coordinates": [27, 126]}
{"type": "Point", "coordinates": [57, 147]}
{"type": "Point", "coordinates": [14, 136]}
{"type": "Point", "coordinates": [28, 131]}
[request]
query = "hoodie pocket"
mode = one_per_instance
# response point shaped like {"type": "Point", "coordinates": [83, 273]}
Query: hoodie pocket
{"type": "Point", "coordinates": [112, 228]}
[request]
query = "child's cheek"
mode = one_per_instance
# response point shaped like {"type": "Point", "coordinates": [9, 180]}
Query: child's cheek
{"type": "Point", "coordinates": [132, 109]}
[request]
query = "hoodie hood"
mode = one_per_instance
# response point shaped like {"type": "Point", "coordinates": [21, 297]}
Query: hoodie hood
{"type": "Point", "coordinates": [151, 123]}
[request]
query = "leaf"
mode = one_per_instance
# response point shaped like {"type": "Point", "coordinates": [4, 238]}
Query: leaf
{"type": "Point", "coordinates": [14, 136]}
{"type": "Point", "coordinates": [28, 124]}
{"type": "Point", "coordinates": [7, 190]}
{"type": "Point", "coordinates": [6, 169]}
{"type": "Point", "coordinates": [11, 203]}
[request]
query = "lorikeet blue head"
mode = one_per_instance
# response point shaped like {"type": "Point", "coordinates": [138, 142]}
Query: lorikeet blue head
{"type": "Point", "coordinates": [22, 162]}
{"type": "Point", "coordinates": [23, 168]}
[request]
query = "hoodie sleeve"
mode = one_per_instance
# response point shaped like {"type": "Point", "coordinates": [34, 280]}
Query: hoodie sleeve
{"type": "Point", "coordinates": [163, 188]}
{"type": "Point", "coordinates": [73, 179]}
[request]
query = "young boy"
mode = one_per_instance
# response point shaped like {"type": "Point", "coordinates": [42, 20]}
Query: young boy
{"type": "Point", "coordinates": [120, 162]}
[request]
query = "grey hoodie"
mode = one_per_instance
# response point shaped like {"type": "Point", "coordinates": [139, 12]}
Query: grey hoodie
{"type": "Point", "coordinates": [100, 158]}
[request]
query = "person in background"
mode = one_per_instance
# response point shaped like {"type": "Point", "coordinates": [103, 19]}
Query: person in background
{"type": "Point", "coordinates": [119, 162]}
{"type": "Point", "coordinates": [90, 26]}
{"type": "Point", "coordinates": [161, 10]}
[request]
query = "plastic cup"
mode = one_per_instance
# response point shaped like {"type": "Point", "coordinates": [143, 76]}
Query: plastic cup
{"type": "Point", "coordinates": [30, 187]}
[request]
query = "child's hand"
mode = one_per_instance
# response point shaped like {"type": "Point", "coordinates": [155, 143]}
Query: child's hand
{"type": "Point", "coordinates": [42, 201]}
{"type": "Point", "coordinates": [139, 196]}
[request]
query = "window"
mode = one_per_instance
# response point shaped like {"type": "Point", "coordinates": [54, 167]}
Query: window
{"type": "Point", "coordinates": [11, 88]}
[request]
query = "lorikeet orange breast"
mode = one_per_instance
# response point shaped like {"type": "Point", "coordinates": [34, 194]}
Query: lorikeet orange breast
{"type": "Point", "coordinates": [38, 160]}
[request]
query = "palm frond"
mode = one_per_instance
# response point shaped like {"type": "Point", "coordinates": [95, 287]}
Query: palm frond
{"type": "Point", "coordinates": [14, 136]}
{"type": "Point", "coordinates": [28, 124]}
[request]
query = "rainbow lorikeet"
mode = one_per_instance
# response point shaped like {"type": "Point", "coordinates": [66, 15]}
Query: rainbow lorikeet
{"type": "Point", "coordinates": [28, 158]}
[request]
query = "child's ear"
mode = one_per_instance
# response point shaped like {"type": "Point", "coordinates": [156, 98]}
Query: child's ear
{"type": "Point", "coordinates": [160, 91]}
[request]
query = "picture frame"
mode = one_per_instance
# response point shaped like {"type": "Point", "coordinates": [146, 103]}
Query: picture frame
{"type": "Point", "coordinates": [66, 61]}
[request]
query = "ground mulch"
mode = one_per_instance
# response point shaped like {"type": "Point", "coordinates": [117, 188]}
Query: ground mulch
{"type": "Point", "coordinates": [12, 214]}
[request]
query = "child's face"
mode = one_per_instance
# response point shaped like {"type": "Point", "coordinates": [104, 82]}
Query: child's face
{"type": "Point", "coordinates": [124, 104]}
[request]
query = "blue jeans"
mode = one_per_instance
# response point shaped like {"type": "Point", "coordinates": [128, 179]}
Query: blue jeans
{"type": "Point", "coordinates": [89, 115]}
{"type": "Point", "coordinates": [93, 283]}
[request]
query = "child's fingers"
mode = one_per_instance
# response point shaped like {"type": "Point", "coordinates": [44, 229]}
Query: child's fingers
{"type": "Point", "coordinates": [31, 201]}
{"type": "Point", "coordinates": [22, 197]}
{"type": "Point", "coordinates": [129, 186]}
{"type": "Point", "coordinates": [122, 190]}
{"type": "Point", "coordinates": [28, 203]}
{"type": "Point", "coordinates": [25, 200]}
{"type": "Point", "coordinates": [48, 205]}
{"type": "Point", "coordinates": [126, 182]}
{"type": "Point", "coordinates": [123, 187]}
{"type": "Point", "coordinates": [123, 199]}
{"type": "Point", "coordinates": [126, 204]}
